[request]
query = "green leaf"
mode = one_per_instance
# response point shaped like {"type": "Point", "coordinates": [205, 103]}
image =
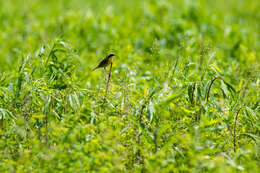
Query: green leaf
{"type": "Point", "coordinates": [224, 89]}
{"type": "Point", "coordinates": [252, 113]}
{"type": "Point", "coordinates": [171, 98]}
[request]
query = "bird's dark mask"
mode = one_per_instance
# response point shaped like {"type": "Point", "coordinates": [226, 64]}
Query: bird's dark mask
{"type": "Point", "coordinates": [110, 55]}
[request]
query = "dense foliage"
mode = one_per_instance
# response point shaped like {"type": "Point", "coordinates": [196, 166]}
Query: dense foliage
{"type": "Point", "coordinates": [184, 93]}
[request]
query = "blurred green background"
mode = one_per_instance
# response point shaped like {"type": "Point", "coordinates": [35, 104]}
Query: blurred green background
{"type": "Point", "coordinates": [167, 53]}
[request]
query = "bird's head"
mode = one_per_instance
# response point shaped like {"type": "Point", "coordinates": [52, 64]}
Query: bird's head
{"type": "Point", "coordinates": [110, 55]}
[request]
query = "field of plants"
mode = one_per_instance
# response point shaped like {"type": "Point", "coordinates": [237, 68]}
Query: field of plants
{"type": "Point", "coordinates": [183, 93]}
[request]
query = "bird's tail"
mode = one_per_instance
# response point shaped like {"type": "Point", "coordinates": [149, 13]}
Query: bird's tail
{"type": "Point", "coordinates": [94, 68]}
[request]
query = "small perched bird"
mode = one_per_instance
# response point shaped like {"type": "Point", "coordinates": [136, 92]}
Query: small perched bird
{"type": "Point", "coordinates": [105, 62]}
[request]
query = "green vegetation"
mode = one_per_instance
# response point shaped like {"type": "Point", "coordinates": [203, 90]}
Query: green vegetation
{"type": "Point", "coordinates": [183, 97]}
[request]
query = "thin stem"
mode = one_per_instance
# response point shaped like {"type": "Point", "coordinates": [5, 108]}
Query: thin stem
{"type": "Point", "coordinates": [198, 114]}
{"type": "Point", "coordinates": [39, 131]}
{"type": "Point", "coordinates": [212, 81]}
{"type": "Point", "coordinates": [155, 135]}
{"type": "Point", "coordinates": [46, 127]}
{"type": "Point", "coordinates": [140, 133]}
{"type": "Point", "coordinates": [109, 77]}
{"type": "Point", "coordinates": [193, 90]}
{"type": "Point", "coordinates": [234, 129]}
{"type": "Point", "coordinates": [139, 155]}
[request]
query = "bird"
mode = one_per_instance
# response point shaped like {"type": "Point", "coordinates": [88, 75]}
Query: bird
{"type": "Point", "coordinates": [105, 62]}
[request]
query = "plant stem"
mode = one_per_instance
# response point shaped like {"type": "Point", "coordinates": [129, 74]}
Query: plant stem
{"type": "Point", "coordinates": [46, 126]}
{"type": "Point", "coordinates": [139, 155]}
{"type": "Point", "coordinates": [155, 135]}
{"type": "Point", "coordinates": [193, 90]}
{"type": "Point", "coordinates": [212, 81]}
{"type": "Point", "coordinates": [234, 129]}
{"type": "Point", "coordinates": [198, 114]}
{"type": "Point", "coordinates": [109, 77]}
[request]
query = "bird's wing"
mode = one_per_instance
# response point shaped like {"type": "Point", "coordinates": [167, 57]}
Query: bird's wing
{"type": "Point", "coordinates": [101, 64]}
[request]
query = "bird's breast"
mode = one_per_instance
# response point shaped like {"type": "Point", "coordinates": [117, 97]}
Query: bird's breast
{"type": "Point", "coordinates": [110, 60]}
